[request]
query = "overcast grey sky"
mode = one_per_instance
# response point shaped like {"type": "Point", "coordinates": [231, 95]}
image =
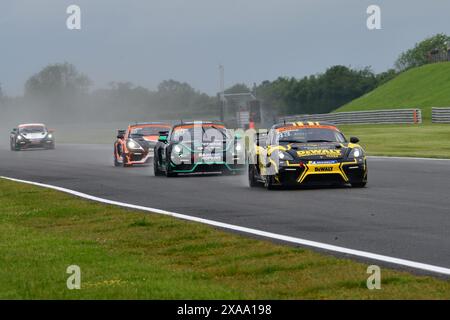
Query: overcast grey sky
{"type": "Point", "coordinates": [146, 41]}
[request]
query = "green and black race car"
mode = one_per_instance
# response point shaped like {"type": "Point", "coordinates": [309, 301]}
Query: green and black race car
{"type": "Point", "coordinates": [198, 147]}
{"type": "Point", "coordinates": [310, 153]}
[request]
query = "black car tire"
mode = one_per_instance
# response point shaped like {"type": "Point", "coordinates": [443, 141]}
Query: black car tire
{"type": "Point", "coordinates": [359, 184]}
{"type": "Point", "coordinates": [125, 164]}
{"type": "Point", "coordinates": [169, 173]}
{"type": "Point", "coordinates": [116, 163]}
{"type": "Point", "coordinates": [252, 182]}
{"type": "Point", "coordinates": [156, 170]}
{"type": "Point", "coordinates": [268, 183]}
{"type": "Point", "coordinates": [15, 147]}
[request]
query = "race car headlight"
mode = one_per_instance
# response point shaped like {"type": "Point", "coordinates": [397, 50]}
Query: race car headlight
{"type": "Point", "coordinates": [356, 153]}
{"type": "Point", "coordinates": [133, 145]}
{"type": "Point", "coordinates": [19, 138]}
{"type": "Point", "coordinates": [49, 136]}
{"type": "Point", "coordinates": [177, 148]}
{"type": "Point", "coordinates": [238, 147]}
{"type": "Point", "coordinates": [283, 155]}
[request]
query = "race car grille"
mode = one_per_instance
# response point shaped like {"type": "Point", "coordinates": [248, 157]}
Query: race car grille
{"type": "Point", "coordinates": [136, 157]}
{"type": "Point", "coordinates": [289, 177]}
{"type": "Point", "coordinates": [35, 145]}
{"type": "Point", "coordinates": [323, 179]}
{"type": "Point", "coordinates": [189, 168]}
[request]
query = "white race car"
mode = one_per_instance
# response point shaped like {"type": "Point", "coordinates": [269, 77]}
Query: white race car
{"type": "Point", "coordinates": [31, 135]}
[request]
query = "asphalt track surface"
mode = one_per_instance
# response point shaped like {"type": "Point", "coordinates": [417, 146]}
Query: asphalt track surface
{"type": "Point", "coordinates": [404, 212]}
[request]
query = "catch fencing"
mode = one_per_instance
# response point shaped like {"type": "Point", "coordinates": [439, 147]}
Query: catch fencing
{"type": "Point", "coordinates": [394, 116]}
{"type": "Point", "coordinates": [440, 115]}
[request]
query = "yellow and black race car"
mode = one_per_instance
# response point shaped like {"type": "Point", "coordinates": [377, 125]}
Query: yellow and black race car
{"type": "Point", "coordinates": [306, 153]}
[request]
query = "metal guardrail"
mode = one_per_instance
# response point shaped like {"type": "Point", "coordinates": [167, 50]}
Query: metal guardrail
{"type": "Point", "coordinates": [440, 115]}
{"type": "Point", "coordinates": [394, 116]}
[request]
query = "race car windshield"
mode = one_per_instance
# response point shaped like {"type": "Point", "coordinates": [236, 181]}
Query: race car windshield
{"type": "Point", "coordinates": [32, 129]}
{"type": "Point", "coordinates": [205, 133]}
{"type": "Point", "coordinates": [147, 131]}
{"type": "Point", "coordinates": [306, 135]}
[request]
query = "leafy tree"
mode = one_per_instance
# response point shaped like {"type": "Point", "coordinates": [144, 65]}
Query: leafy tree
{"type": "Point", "coordinates": [58, 91]}
{"type": "Point", "coordinates": [319, 93]}
{"type": "Point", "coordinates": [180, 98]}
{"type": "Point", "coordinates": [57, 80]}
{"type": "Point", "coordinates": [418, 55]}
{"type": "Point", "coordinates": [238, 88]}
{"type": "Point", "coordinates": [386, 76]}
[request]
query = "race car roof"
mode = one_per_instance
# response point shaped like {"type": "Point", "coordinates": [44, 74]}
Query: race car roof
{"type": "Point", "coordinates": [138, 124]}
{"type": "Point", "coordinates": [149, 124]}
{"type": "Point", "coordinates": [31, 125]}
{"type": "Point", "coordinates": [303, 124]}
{"type": "Point", "coordinates": [190, 124]}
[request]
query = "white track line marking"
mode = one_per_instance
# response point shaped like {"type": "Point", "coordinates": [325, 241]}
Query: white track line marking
{"type": "Point", "coordinates": [313, 244]}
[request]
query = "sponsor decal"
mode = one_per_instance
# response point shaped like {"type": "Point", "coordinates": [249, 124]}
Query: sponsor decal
{"type": "Point", "coordinates": [324, 162]}
{"type": "Point", "coordinates": [211, 157]}
{"type": "Point", "coordinates": [323, 169]}
{"type": "Point", "coordinates": [321, 152]}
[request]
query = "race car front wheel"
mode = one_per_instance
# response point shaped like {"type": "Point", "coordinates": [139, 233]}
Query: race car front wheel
{"type": "Point", "coordinates": [156, 170]}
{"type": "Point", "coordinates": [252, 182]}
{"type": "Point", "coordinates": [269, 183]}
{"type": "Point", "coordinates": [169, 172]}
{"type": "Point", "coordinates": [125, 161]}
{"type": "Point", "coordinates": [116, 163]}
{"type": "Point", "coordinates": [359, 184]}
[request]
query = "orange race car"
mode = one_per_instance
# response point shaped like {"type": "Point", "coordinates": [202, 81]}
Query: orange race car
{"type": "Point", "coordinates": [135, 145]}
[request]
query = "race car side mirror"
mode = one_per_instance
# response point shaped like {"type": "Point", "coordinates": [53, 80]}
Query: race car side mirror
{"type": "Point", "coordinates": [261, 139]}
{"type": "Point", "coordinates": [120, 134]}
{"type": "Point", "coordinates": [162, 139]}
{"type": "Point", "coordinates": [163, 136]}
{"type": "Point", "coordinates": [262, 143]}
{"type": "Point", "coordinates": [354, 140]}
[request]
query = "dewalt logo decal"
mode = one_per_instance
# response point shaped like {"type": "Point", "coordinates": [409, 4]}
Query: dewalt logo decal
{"type": "Point", "coordinates": [323, 169]}
{"type": "Point", "coordinates": [324, 152]}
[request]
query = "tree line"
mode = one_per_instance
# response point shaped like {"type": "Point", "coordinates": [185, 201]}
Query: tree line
{"type": "Point", "coordinates": [60, 90]}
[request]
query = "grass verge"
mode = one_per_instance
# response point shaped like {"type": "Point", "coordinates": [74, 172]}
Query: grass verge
{"type": "Point", "coordinates": [126, 254]}
{"type": "Point", "coordinates": [422, 87]}
{"type": "Point", "coordinates": [424, 140]}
